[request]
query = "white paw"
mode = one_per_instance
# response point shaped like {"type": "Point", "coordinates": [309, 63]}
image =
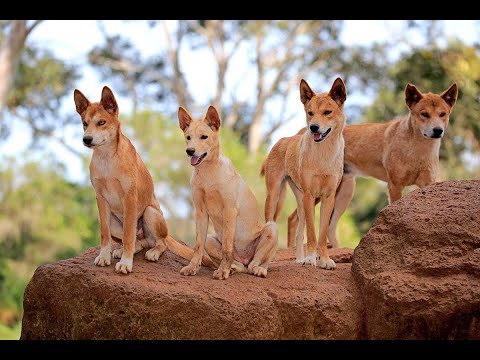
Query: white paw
{"type": "Point", "coordinates": [117, 253]}
{"type": "Point", "coordinates": [260, 271]}
{"type": "Point", "coordinates": [104, 258]}
{"type": "Point", "coordinates": [310, 260]}
{"type": "Point", "coordinates": [124, 265]}
{"type": "Point", "coordinates": [327, 263]}
{"type": "Point", "coordinates": [300, 260]}
{"type": "Point", "coordinates": [153, 254]}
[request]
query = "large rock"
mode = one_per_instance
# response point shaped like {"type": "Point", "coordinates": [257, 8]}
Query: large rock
{"type": "Point", "coordinates": [418, 267]}
{"type": "Point", "coordinates": [73, 299]}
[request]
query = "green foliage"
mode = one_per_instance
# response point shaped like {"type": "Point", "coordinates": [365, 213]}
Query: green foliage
{"type": "Point", "coordinates": [43, 218]}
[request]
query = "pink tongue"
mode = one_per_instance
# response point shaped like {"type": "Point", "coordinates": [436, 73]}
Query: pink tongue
{"type": "Point", "coordinates": [194, 160]}
{"type": "Point", "coordinates": [317, 136]}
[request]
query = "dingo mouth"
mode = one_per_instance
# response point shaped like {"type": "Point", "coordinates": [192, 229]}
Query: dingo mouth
{"type": "Point", "coordinates": [196, 160]}
{"type": "Point", "coordinates": [318, 137]}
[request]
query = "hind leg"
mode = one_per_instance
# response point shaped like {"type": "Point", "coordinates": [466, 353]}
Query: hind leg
{"type": "Point", "coordinates": [265, 251]}
{"type": "Point", "coordinates": [156, 231]}
{"type": "Point", "coordinates": [342, 199]}
{"type": "Point", "coordinates": [213, 247]}
{"type": "Point", "coordinates": [116, 229]}
{"type": "Point", "coordinates": [275, 182]}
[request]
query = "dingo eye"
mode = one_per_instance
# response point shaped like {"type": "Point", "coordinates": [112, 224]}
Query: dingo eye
{"type": "Point", "coordinates": [326, 112]}
{"type": "Point", "coordinates": [188, 137]}
{"type": "Point", "coordinates": [442, 114]}
{"type": "Point", "coordinates": [101, 122]}
{"type": "Point", "coordinates": [310, 113]}
{"type": "Point", "coordinates": [425, 115]}
{"type": "Point", "coordinates": [85, 124]}
{"type": "Point", "coordinates": [203, 137]}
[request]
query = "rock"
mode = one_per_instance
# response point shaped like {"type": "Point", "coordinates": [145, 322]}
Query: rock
{"type": "Point", "coordinates": [418, 268]}
{"type": "Point", "coordinates": [73, 299]}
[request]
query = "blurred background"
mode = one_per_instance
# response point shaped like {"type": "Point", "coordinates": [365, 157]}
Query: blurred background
{"type": "Point", "coordinates": [250, 70]}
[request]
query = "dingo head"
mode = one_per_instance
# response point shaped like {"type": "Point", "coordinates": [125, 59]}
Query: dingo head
{"type": "Point", "coordinates": [324, 111]}
{"type": "Point", "coordinates": [100, 120]}
{"type": "Point", "coordinates": [201, 135]}
{"type": "Point", "coordinates": [429, 113]}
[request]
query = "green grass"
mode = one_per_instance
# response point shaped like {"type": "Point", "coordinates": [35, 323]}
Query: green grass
{"type": "Point", "coordinates": [10, 333]}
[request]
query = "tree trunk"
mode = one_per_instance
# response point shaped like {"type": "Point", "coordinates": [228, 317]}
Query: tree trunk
{"type": "Point", "coordinates": [9, 54]}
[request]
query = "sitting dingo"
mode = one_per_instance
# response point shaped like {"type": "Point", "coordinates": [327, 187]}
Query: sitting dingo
{"type": "Point", "coordinates": [123, 188]}
{"type": "Point", "coordinates": [243, 242]}
{"type": "Point", "coordinates": [401, 152]}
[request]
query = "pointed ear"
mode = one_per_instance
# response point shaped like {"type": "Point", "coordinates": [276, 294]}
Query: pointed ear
{"type": "Point", "coordinates": [212, 118]}
{"type": "Point", "coordinates": [412, 95]}
{"type": "Point", "coordinates": [450, 95]}
{"type": "Point", "coordinates": [81, 102]}
{"type": "Point", "coordinates": [108, 101]}
{"type": "Point", "coordinates": [338, 92]}
{"type": "Point", "coordinates": [184, 118]}
{"type": "Point", "coordinates": [306, 93]}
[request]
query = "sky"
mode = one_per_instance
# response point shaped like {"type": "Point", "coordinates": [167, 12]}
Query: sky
{"type": "Point", "coordinates": [71, 40]}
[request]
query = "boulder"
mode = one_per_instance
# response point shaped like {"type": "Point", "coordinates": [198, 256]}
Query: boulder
{"type": "Point", "coordinates": [418, 267]}
{"type": "Point", "coordinates": [73, 299]}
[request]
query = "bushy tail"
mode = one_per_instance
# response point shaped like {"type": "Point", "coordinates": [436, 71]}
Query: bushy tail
{"type": "Point", "coordinates": [262, 170]}
{"type": "Point", "coordinates": [183, 250]}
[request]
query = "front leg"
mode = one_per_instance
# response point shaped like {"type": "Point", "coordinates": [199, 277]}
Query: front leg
{"type": "Point", "coordinates": [201, 228]}
{"type": "Point", "coordinates": [129, 232]}
{"type": "Point", "coordinates": [105, 257]}
{"type": "Point", "coordinates": [229, 225]}
{"type": "Point", "coordinates": [309, 209]}
{"type": "Point", "coordinates": [326, 209]}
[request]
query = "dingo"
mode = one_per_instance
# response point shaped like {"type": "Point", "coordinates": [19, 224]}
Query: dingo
{"type": "Point", "coordinates": [312, 164]}
{"type": "Point", "coordinates": [221, 195]}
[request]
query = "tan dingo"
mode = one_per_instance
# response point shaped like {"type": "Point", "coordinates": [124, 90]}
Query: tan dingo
{"type": "Point", "coordinates": [312, 164]}
{"type": "Point", "coordinates": [243, 242]}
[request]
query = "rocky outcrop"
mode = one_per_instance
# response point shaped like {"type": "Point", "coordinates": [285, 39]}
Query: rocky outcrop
{"type": "Point", "coordinates": [418, 268]}
{"type": "Point", "coordinates": [415, 275]}
{"type": "Point", "coordinates": [73, 299]}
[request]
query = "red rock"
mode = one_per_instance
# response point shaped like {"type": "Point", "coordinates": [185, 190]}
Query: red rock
{"type": "Point", "coordinates": [418, 268]}
{"type": "Point", "coordinates": [73, 299]}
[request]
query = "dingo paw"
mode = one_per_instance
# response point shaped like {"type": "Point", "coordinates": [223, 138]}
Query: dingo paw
{"type": "Point", "coordinates": [327, 264]}
{"type": "Point", "coordinates": [222, 273]}
{"type": "Point", "coordinates": [189, 270]}
{"type": "Point", "coordinates": [117, 253]}
{"type": "Point", "coordinates": [310, 260]}
{"type": "Point", "coordinates": [124, 266]}
{"type": "Point", "coordinates": [154, 254]}
{"type": "Point", "coordinates": [104, 258]}
{"type": "Point", "coordinates": [260, 271]}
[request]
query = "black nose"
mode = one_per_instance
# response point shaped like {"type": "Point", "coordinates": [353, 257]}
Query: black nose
{"type": "Point", "coordinates": [190, 152]}
{"type": "Point", "coordinates": [314, 128]}
{"type": "Point", "coordinates": [87, 140]}
{"type": "Point", "coordinates": [437, 132]}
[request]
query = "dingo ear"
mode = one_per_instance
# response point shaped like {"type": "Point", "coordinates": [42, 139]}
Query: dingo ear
{"type": "Point", "coordinates": [108, 101]}
{"type": "Point", "coordinates": [212, 118]}
{"type": "Point", "coordinates": [81, 102]}
{"type": "Point", "coordinates": [450, 95]}
{"type": "Point", "coordinates": [412, 95]}
{"type": "Point", "coordinates": [306, 93]}
{"type": "Point", "coordinates": [338, 92]}
{"type": "Point", "coordinates": [184, 118]}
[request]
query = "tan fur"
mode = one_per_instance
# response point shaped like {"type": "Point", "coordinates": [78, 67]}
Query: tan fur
{"type": "Point", "coordinates": [312, 169]}
{"type": "Point", "coordinates": [243, 242]}
{"type": "Point", "coordinates": [123, 188]}
{"type": "Point", "coordinates": [400, 152]}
